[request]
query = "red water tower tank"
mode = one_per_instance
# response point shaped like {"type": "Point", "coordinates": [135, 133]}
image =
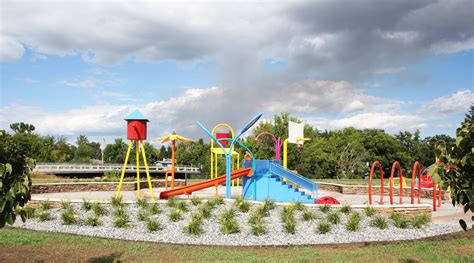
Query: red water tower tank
{"type": "Point", "coordinates": [221, 135]}
{"type": "Point", "coordinates": [136, 126]}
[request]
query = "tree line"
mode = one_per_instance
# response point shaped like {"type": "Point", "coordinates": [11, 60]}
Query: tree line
{"type": "Point", "coordinates": [329, 154]}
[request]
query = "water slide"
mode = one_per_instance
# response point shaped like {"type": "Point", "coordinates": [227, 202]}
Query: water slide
{"type": "Point", "coordinates": [205, 184]}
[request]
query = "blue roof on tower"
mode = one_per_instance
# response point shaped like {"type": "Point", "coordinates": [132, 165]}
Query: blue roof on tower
{"type": "Point", "coordinates": [136, 115]}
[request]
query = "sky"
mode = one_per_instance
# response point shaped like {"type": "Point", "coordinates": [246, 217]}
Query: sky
{"type": "Point", "coordinates": [81, 67]}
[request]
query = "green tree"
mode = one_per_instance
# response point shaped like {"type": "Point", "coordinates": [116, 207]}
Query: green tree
{"type": "Point", "coordinates": [86, 151]}
{"type": "Point", "coordinates": [115, 153]}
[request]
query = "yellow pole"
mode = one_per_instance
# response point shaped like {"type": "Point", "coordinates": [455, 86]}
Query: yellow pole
{"type": "Point", "coordinates": [147, 172]}
{"type": "Point", "coordinates": [285, 153]}
{"type": "Point", "coordinates": [124, 168]}
{"type": "Point", "coordinates": [137, 156]}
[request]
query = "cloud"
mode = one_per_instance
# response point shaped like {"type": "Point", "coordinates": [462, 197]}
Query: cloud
{"type": "Point", "coordinates": [11, 49]}
{"type": "Point", "coordinates": [82, 84]}
{"type": "Point", "coordinates": [458, 102]}
{"type": "Point", "coordinates": [28, 80]}
{"type": "Point", "coordinates": [390, 70]}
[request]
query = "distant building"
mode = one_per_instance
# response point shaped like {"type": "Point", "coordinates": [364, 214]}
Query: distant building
{"type": "Point", "coordinates": [166, 162]}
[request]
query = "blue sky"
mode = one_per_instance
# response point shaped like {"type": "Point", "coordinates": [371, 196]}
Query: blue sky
{"type": "Point", "coordinates": [408, 66]}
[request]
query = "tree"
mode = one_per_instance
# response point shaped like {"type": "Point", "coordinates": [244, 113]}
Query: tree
{"type": "Point", "coordinates": [115, 153]}
{"type": "Point", "coordinates": [15, 181]}
{"type": "Point", "coordinates": [351, 163]}
{"type": "Point", "coordinates": [86, 151]}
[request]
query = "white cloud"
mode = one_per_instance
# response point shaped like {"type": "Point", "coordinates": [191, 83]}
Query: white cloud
{"type": "Point", "coordinates": [458, 102]}
{"type": "Point", "coordinates": [82, 84]}
{"type": "Point", "coordinates": [390, 70]}
{"type": "Point", "coordinates": [28, 80]}
{"type": "Point", "coordinates": [10, 48]}
{"type": "Point", "coordinates": [448, 47]}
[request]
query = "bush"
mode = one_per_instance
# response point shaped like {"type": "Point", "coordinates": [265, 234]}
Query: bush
{"type": "Point", "coordinates": [93, 221]}
{"type": "Point", "coordinates": [379, 222]}
{"type": "Point", "coordinates": [98, 209]}
{"type": "Point", "coordinates": [142, 203]}
{"type": "Point", "coordinates": [69, 217]}
{"type": "Point", "coordinates": [255, 217]}
{"type": "Point", "coordinates": [325, 208]}
{"type": "Point", "coordinates": [298, 206]}
{"type": "Point", "coordinates": [153, 225]}
{"type": "Point", "coordinates": [228, 223]}
{"type": "Point", "coordinates": [419, 221]}
{"type": "Point", "coordinates": [258, 228]}
{"type": "Point", "coordinates": [116, 201]}
{"type": "Point", "coordinates": [324, 227]}
{"type": "Point", "coordinates": [45, 205]}
{"type": "Point", "coordinates": [29, 212]}
{"type": "Point", "coordinates": [194, 227]}
{"type": "Point", "coordinates": [118, 212]}
{"type": "Point", "coordinates": [346, 209]}
{"type": "Point", "coordinates": [44, 216]}
{"type": "Point", "coordinates": [308, 215]}
{"type": "Point", "coordinates": [154, 209]}
{"type": "Point", "coordinates": [172, 202]}
{"type": "Point", "coordinates": [143, 215]}
{"type": "Point", "coordinates": [399, 220]}
{"type": "Point", "coordinates": [243, 205]}
{"type": "Point", "coordinates": [334, 217]}
{"type": "Point", "coordinates": [211, 204]}
{"type": "Point", "coordinates": [195, 200]}
{"type": "Point", "coordinates": [175, 216]}
{"type": "Point", "coordinates": [86, 205]}
{"type": "Point", "coordinates": [122, 221]}
{"type": "Point", "coordinates": [66, 205]}
{"type": "Point", "coordinates": [268, 205]}
{"type": "Point", "coordinates": [182, 206]}
{"type": "Point", "coordinates": [354, 222]}
{"type": "Point", "coordinates": [288, 217]}
{"type": "Point", "coordinates": [205, 211]}
{"type": "Point", "coordinates": [370, 211]}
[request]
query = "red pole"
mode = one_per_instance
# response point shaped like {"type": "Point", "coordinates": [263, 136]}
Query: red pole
{"type": "Point", "coordinates": [434, 197]}
{"type": "Point", "coordinates": [372, 171]}
{"type": "Point", "coordinates": [440, 193]}
{"type": "Point", "coordinates": [416, 169]}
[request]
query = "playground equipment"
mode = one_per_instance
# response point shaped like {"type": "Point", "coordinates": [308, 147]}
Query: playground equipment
{"type": "Point", "coordinates": [173, 138]}
{"type": "Point", "coordinates": [136, 133]}
{"type": "Point", "coordinates": [277, 141]}
{"type": "Point", "coordinates": [415, 174]}
{"type": "Point", "coordinates": [216, 151]}
{"type": "Point", "coordinates": [296, 136]}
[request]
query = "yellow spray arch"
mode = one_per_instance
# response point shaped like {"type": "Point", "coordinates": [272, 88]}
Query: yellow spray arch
{"type": "Point", "coordinates": [216, 151]}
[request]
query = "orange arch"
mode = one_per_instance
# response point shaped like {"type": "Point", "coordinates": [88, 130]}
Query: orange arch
{"type": "Point", "coordinates": [416, 170]}
{"type": "Point", "coordinates": [396, 165]}
{"type": "Point", "coordinates": [372, 171]}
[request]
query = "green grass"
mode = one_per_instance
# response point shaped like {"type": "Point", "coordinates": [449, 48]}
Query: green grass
{"type": "Point", "coordinates": [323, 227]}
{"type": "Point", "coordinates": [334, 217]}
{"type": "Point", "coordinates": [242, 205]}
{"type": "Point", "coordinates": [175, 216]}
{"type": "Point", "coordinates": [93, 221]}
{"type": "Point", "coordinates": [194, 227]}
{"type": "Point", "coordinates": [308, 215]}
{"type": "Point", "coordinates": [196, 201]}
{"type": "Point", "coordinates": [418, 221]}
{"type": "Point", "coordinates": [25, 245]}
{"type": "Point", "coordinates": [379, 222]}
{"type": "Point", "coordinates": [172, 202]}
{"type": "Point", "coordinates": [353, 224]}
{"type": "Point", "coordinates": [346, 209]}
{"type": "Point", "coordinates": [142, 203]}
{"type": "Point", "coordinates": [142, 215]}
{"type": "Point", "coordinates": [98, 209]}
{"type": "Point", "coordinates": [69, 217]}
{"type": "Point", "coordinates": [287, 216]}
{"type": "Point", "coordinates": [228, 223]}
{"type": "Point", "coordinates": [153, 225]}
{"type": "Point", "coordinates": [325, 208]}
{"type": "Point", "coordinates": [399, 220]}
{"type": "Point", "coordinates": [116, 201]}
{"type": "Point", "coordinates": [45, 205]}
{"type": "Point", "coordinates": [298, 206]}
{"type": "Point", "coordinates": [370, 211]}
{"type": "Point", "coordinates": [154, 208]}
{"type": "Point", "coordinates": [44, 215]}
{"type": "Point", "coordinates": [86, 205]}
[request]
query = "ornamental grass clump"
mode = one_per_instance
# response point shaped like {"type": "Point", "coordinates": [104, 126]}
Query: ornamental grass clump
{"type": "Point", "coordinates": [323, 227]}
{"type": "Point", "coordinates": [142, 203]}
{"type": "Point", "coordinates": [370, 211]}
{"type": "Point", "coordinates": [228, 222]}
{"type": "Point", "coordinates": [379, 222]}
{"type": "Point", "coordinates": [353, 224]}
{"type": "Point", "coordinates": [153, 225]}
{"type": "Point", "coordinates": [268, 205]}
{"type": "Point", "coordinates": [399, 220]}
{"type": "Point", "coordinates": [418, 221]}
{"type": "Point", "coordinates": [325, 208]}
{"type": "Point", "coordinates": [308, 215]}
{"type": "Point", "coordinates": [334, 217]}
{"type": "Point", "coordinates": [219, 201]}
{"type": "Point", "coordinates": [242, 205]}
{"type": "Point", "coordinates": [205, 211]}
{"type": "Point", "coordinates": [175, 216]}
{"type": "Point", "coordinates": [298, 206]}
{"type": "Point", "coordinates": [172, 202]}
{"type": "Point", "coordinates": [121, 218]}
{"type": "Point", "coordinates": [196, 201]}
{"type": "Point", "coordinates": [69, 217]}
{"type": "Point", "coordinates": [288, 218]}
{"type": "Point", "coordinates": [93, 221]}
{"type": "Point", "coordinates": [86, 205]}
{"type": "Point", "coordinates": [116, 201]}
{"type": "Point", "coordinates": [45, 205]}
{"type": "Point", "coordinates": [194, 227]}
{"type": "Point", "coordinates": [154, 209]}
{"type": "Point", "coordinates": [44, 216]}
{"type": "Point", "coordinates": [257, 223]}
{"type": "Point", "coordinates": [29, 212]}
{"type": "Point", "coordinates": [98, 209]}
{"type": "Point", "coordinates": [143, 215]}
{"type": "Point", "coordinates": [120, 211]}
{"type": "Point", "coordinates": [66, 205]}
{"type": "Point", "coordinates": [346, 209]}
{"type": "Point", "coordinates": [182, 206]}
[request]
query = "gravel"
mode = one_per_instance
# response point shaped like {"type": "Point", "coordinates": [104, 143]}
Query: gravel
{"type": "Point", "coordinates": [275, 235]}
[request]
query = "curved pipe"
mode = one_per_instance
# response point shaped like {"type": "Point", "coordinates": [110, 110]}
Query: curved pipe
{"type": "Point", "coordinates": [416, 170]}
{"type": "Point", "coordinates": [222, 125]}
{"type": "Point", "coordinates": [394, 166]}
{"type": "Point", "coordinates": [372, 171]}
{"type": "Point", "coordinates": [277, 143]}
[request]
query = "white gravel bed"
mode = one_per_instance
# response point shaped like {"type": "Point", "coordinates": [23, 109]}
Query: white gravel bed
{"type": "Point", "coordinates": [275, 234]}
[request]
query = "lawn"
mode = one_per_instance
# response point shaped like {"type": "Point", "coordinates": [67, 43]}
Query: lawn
{"type": "Point", "coordinates": [25, 245]}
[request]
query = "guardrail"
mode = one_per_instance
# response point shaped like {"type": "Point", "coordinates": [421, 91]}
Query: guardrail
{"type": "Point", "coordinates": [92, 168]}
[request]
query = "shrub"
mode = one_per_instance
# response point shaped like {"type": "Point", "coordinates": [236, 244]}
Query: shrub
{"type": "Point", "coordinates": [354, 222]}
{"type": "Point", "coordinates": [268, 205]}
{"type": "Point", "coordinates": [116, 201]}
{"type": "Point", "coordinates": [379, 222]}
{"type": "Point", "coordinates": [154, 209]}
{"type": "Point", "coordinates": [175, 216]}
{"type": "Point", "coordinates": [211, 204]}
{"type": "Point", "coordinates": [98, 209]}
{"type": "Point", "coordinates": [243, 205]}
{"type": "Point", "coordinates": [334, 217]}
{"type": "Point", "coordinates": [29, 212]}
{"type": "Point", "coordinates": [44, 216]}
{"type": "Point", "coordinates": [142, 203]}
{"type": "Point", "coordinates": [399, 220]}
{"type": "Point", "coordinates": [182, 206]}
{"type": "Point", "coordinates": [325, 208]}
{"type": "Point", "coordinates": [172, 202]}
{"type": "Point", "coordinates": [219, 200]}
{"type": "Point", "coordinates": [228, 223]}
{"type": "Point", "coordinates": [143, 215]}
{"type": "Point", "coordinates": [45, 205]}
{"type": "Point", "coordinates": [69, 217]}
{"type": "Point", "coordinates": [93, 221]}
{"type": "Point", "coordinates": [370, 211]}
{"type": "Point", "coordinates": [205, 211]}
{"type": "Point", "coordinates": [66, 205]}
{"type": "Point", "coordinates": [324, 227]}
{"type": "Point", "coordinates": [288, 217]}
{"type": "Point", "coordinates": [299, 206]}
{"type": "Point", "coordinates": [419, 221]}
{"type": "Point", "coordinates": [153, 225]}
{"type": "Point", "coordinates": [258, 228]}
{"type": "Point", "coordinates": [122, 221]}
{"type": "Point", "coordinates": [346, 209]}
{"type": "Point", "coordinates": [255, 217]}
{"type": "Point", "coordinates": [195, 200]}
{"type": "Point", "coordinates": [120, 211]}
{"type": "Point", "coordinates": [86, 205]}
{"type": "Point", "coordinates": [194, 227]}
{"type": "Point", "coordinates": [308, 215]}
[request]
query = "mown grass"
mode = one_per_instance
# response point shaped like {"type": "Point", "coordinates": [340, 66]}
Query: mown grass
{"type": "Point", "coordinates": [43, 246]}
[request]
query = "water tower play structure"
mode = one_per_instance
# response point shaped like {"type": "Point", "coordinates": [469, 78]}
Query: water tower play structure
{"type": "Point", "coordinates": [136, 133]}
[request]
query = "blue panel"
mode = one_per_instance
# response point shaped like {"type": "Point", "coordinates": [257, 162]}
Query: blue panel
{"type": "Point", "coordinates": [136, 115]}
{"type": "Point", "coordinates": [300, 180]}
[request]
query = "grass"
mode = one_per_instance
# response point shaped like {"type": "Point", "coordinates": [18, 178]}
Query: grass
{"type": "Point", "coordinates": [194, 227]}
{"type": "Point", "coordinates": [257, 223]}
{"type": "Point", "coordinates": [20, 245]}
{"type": "Point", "coordinates": [154, 209]}
{"type": "Point", "coordinates": [353, 224]}
{"type": "Point", "coordinates": [116, 201]}
{"type": "Point", "coordinates": [93, 221]}
{"type": "Point", "coordinates": [323, 227]}
{"type": "Point", "coordinates": [86, 205]}
{"type": "Point", "coordinates": [418, 221]}
{"type": "Point", "coordinates": [346, 209]}
{"type": "Point", "coordinates": [399, 220]}
{"type": "Point", "coordinates": [242, 205]}
{"type": "Point", "coordinates": [379, 222]}
{"type": "Point", "coordinates": [175, 216]}
{"type": "Point", "coordinates": [308, 215]}
{"type": "Point", "coordinates": [122, 221]}
{"type": "Point", "coordinates": [228, 223]}
{"type": "Point", "coordinates": [182, 206]}
{"type": "Point", "coordinates": [334, 217]}
{"type": "Point", "coordinates": [142, 203]}
{"type": "Point", "coordinates": [205, 211]}
{"type": "Point", "coordinates": [153, 225]}
{"type": "Point", "coordinates": [66, 205]}
{"type": "Point", "coordinates": [69, 217]}
{"type": "Point", "coordinates": [98, 209]}
{"type": "Point", "coordinates": [45, 205]}
{"type": "Point", "coordinates": [287, 216]}
{"type": "Point", "coordinates": [143, 215]}
{"type": "Point", "coordinates": [196, 201]}
{"type": "Point", "coordinates": [325, 208]}
{"type": "Point", "coordinates": [370, 211]}
{"type": "Point", "coordinates": [44, 216]}
{"type": "Point", "coordinates": [172, 202]}
{"type": "Point", "coordinates": [298, 206]}
{"type": "Point", "coordinates": [30, 212]}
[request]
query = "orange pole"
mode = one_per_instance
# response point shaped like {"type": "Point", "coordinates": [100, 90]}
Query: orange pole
{"type": "Point", "coordinates": [372, 171]}
{"type": "Point", "coordinates": [173, 148]}
{"type": "Point", "coordinates": [416, 168]}
{"type": "Point", "coordinates": [396, 165]}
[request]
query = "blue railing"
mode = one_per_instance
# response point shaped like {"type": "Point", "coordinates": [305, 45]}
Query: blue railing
{"type": "Point", "coordinates": [302, 181]}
